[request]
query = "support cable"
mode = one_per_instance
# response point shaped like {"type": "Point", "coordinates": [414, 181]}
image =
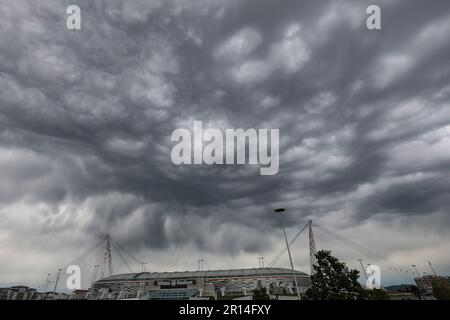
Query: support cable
{"type": "Point", "coordinates": [121, 257]}
{"type": "Point", "coordinates": [82, 256]}
{"type": "Point", "coordinates": [368, 253]}
{"type": "Point", "coordinates": [284, 250]}
{"type": "Point", "coordinates": [126, 251]}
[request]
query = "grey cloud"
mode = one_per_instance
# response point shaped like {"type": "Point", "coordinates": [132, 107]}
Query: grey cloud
{"type": "Point", "coordinates": [86, 117]}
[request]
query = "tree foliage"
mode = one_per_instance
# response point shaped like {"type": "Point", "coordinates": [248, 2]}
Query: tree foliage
{"type": "Point", "coordinates": [332, 280]}
{"type": "Point", "coordinates": [441, 290]}
{"type": "Point", "coordinates": [260, 294]}
{"type": "Point", "coordinates": [377, 294]}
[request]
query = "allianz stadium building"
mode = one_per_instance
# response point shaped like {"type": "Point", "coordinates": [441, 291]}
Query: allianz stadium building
{"type": "Point", "coordinates": [214, 284]}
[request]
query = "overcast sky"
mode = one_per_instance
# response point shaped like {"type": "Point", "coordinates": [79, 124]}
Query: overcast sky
{"type": "Point", "coordinates": [86, 118]}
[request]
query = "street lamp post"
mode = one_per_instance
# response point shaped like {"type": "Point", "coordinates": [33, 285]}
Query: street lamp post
{"type": "Point", "coordinates": [46, 282]}
{"type": "Point", "coordinates": [94, 276]}
{"type": "Point", "coordinates": [281, 210]}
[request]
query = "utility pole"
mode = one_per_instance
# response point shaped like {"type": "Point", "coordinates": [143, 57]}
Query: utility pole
{"type": "Point", "coordinates": [417, 271]}
{"type": "Point", "coordinates": [57, 280]}
{"type": "Point", "coordinates": [200, 278]}
{"type": "Point", "coordinates": [261, 262]}
{"type": "Point", "coordinates": [94, 276]}
{"type": "Point", "coordinates": [200, 264]}
{"type": "Point", "coordinates": [46, 282]}
{"type": "Point", "coordinates": [280, 210]}
{"type": "Point", "coordinates": [144, 269]}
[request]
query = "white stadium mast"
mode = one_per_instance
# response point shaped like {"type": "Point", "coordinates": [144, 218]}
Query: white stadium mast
{"type": "Point", "coordinates": [312, 248]}
{"type": "Point", "coordinates": [108, 256]}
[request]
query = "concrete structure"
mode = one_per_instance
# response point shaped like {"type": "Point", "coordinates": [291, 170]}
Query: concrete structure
{"type": "Point", "coordinates": [426, 283]}
{"type": "Point", "coordinates": [17, 293]}
{"type": "Point", "coordinates": [215, 284]}
{"type": "Point", "coordinates": [401, 295]}
{"type": "Point", "coordinates": [79, 294]}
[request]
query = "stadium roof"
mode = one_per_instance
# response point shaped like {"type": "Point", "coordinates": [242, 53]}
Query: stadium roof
{"type": "Point", "coordinates": [204, 274]}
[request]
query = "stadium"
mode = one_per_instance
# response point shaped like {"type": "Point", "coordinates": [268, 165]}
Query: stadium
{"type": "Point", "coordinates": [210, 284]}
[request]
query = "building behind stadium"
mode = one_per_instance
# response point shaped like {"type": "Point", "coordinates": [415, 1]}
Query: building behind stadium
{"type": "Point", "coordinates": [211, 284]}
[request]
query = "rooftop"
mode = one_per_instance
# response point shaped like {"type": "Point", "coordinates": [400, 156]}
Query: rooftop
{"type": "Point", "coordinates": [198, 274]}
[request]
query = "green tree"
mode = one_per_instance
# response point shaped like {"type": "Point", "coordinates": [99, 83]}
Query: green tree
{"type": "Point", "coordinates": [441, 290]}
{"type": "Point", "coordinates": [377, 294]}
{"type": "Point", "coordinates": [418, 292]}
{"type": "Point", "coordinates": [260, 294]}
{"type": "Point", "coordinates": [332, 280]}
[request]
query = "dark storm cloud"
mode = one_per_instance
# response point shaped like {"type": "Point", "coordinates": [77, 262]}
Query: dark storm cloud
{"type": "Point", "coordinates": [411, 198]}
{"type": "Point", "coordinates": [86, 116]}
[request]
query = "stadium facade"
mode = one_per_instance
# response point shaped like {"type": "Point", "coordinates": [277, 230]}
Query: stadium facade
{"type": "Point", "coordinates": [215, 284]}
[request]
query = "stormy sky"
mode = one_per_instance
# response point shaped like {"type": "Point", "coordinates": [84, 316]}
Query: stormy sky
{"type": "Point", "coordinates": [86, 118]}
